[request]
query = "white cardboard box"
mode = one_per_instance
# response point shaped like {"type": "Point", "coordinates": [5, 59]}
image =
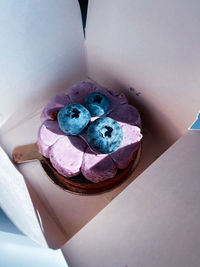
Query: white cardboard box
{"type": "Point", "coordinates": [151, 46]}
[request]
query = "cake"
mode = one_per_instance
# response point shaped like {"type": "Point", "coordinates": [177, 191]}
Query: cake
{"type": "Point", "coordinates": [92, 131]}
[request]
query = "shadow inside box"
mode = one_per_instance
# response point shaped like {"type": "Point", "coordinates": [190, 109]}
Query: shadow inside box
{"type": "Point", "coordinates": [155, 119]}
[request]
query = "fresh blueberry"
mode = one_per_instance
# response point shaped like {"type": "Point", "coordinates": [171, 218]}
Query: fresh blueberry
{"type": "Point", "coordinates": [73, 118]}
{"type": "Point", "coordinates": [97, 103]}
{"type": "Point", "coordinates": [104, 135]}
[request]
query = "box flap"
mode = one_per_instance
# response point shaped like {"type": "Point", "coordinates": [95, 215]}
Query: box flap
{"type": "Point", "coordinates": [25, 207]}
{"type": "Point", "coordinates": [152, 48]}
{"type": "Point", "coordinates": [16, 202]}
{"type": "Point", "coordinates": [153, 222]}
{"type": "Point", "coordinates": [41, 53]}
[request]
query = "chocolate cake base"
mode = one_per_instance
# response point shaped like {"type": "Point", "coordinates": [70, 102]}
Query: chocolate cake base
{"type": "Point", "coordinates": [80, 185]}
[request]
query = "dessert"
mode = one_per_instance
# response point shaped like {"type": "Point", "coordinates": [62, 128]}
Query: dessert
{"type": "Point", "coordinates": [91, 131]}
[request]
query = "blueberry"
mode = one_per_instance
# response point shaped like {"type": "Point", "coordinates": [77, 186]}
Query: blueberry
{"type": "Point", "coordinates": [97, 103]}
{"type": "Point", "coordinates": [104, 135]}
{"type": "Point", "coordinates": [73, 118]}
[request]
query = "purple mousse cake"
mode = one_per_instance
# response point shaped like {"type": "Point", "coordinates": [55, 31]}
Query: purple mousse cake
{"type": "Point", "coordinates": [91, 131]}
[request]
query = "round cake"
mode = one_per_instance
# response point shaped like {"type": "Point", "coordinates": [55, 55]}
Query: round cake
{"type": "Point", "coordinates": [91, 131]}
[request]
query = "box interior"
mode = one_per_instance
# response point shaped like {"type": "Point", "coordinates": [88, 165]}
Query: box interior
{"type": "Point", "coordinates": [147, 62]}
{"type": "Point", "coordinates": [153, 222]}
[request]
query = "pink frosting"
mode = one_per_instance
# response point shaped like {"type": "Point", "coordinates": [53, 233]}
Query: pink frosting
{"type": "Point", "coordinates": [71, 155]}
{"type": "Point", "coordinates": [49, 133]}
{"type": "Point", "coordinates": [66, 155]}
{"type": "Point", "coordinates": [129, 146]}
{"type": "Point", "coordinates": [43, 149]}
{"type": "Point", "coordinates": [97, 167]}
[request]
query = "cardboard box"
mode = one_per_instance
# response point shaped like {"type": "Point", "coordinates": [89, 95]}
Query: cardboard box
{"type": "Point", "coordinates": [150, 51]}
